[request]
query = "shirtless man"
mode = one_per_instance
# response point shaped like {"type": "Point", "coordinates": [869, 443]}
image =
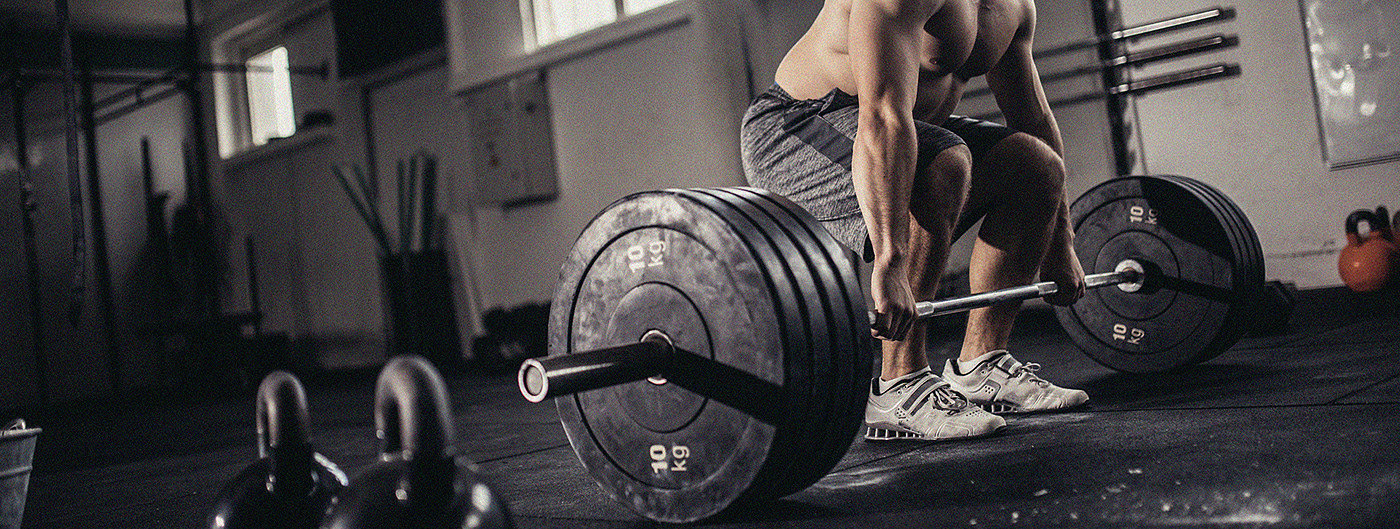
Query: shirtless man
{"type": "Point", "coordinates": [915, 178]}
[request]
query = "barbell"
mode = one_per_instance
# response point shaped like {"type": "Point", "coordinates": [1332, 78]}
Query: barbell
{"type": "Point", "coordinates": [710, 348]}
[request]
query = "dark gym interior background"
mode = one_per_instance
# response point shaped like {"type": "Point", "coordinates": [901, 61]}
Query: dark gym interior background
{"type": "Point", "coordinates": [530, 141]}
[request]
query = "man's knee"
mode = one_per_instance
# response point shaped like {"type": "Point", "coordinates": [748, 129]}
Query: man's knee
{"type": "Point", "coordinates": [1039, 170]}
{"type": "Point", "coordinates": [951, 165]}
{"type": "Point", "coordinates": [951, 169]}
{"type": "Point", "coordinates": [941, 188]}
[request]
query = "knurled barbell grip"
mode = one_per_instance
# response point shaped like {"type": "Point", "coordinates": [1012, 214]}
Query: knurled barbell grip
{"type": "Point", "coordinates": [542, 378]}
{"type": "Point", "coordinates": [929, 309]}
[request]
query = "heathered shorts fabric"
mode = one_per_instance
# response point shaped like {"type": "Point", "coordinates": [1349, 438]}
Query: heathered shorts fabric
{"type": "Point", "coordinates": [801, 149]}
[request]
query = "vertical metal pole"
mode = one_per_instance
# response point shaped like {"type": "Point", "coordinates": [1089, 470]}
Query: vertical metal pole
{"type": "Point", "coordinates": [200, 193]}
{"type": "Point", "coordinates": [75, 183]}
{"type": "Point", "coordinates": [1106, 21]}
{"type": "Point", "coordinates": [101, 262]}
{"type": "Point", "coordinates": [201, 152]}
{"type": "Point", "coordinates": [31, 252]}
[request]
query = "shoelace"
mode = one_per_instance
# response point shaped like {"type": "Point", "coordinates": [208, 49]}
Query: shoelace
{"type": "Point", "coordinates": [1028, 370]}
{"type": "Point", "coordinates": [947, 399]}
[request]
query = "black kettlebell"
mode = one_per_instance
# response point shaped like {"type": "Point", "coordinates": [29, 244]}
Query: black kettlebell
{"type": "Point", "coordinates": [418, 481]}
{"type": "Point", "coordinates": [290, 485]}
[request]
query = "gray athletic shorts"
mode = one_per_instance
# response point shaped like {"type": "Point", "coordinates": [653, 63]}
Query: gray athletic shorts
{"type": "Point", "coordinates": [801, 149]}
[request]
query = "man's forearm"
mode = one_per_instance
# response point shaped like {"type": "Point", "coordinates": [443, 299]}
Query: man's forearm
{"type": "Point", "coordinates": [883, 173]}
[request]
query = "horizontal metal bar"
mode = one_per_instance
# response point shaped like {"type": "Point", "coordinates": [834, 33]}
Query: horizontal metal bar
{"type": "Point", "coordinates": [105, 78]}
{"type": "Point", "coordinates": [1216, 14]}
{"type": "Point", "coordinates": [1135, 59]}
{"type": "Point", "coordinates": [1140, 87]}
{"type": "Point", "coordinates": [321, 70]}
{"type": "Point", "coordinates": [1175, 50]}
{"type": "Point", "coordinates": [171, 76]}
{"type": "Point", "coordinates": [50, 74]}
{"type": "Point", "coordinates": [659, 362]}
{"type": "Point", "coordinates": [1169, 80]}
{"type": "Point", "coordinates": [573, 373]}
{"type": "Point", "coordinates": [142, 102]}
{"type": "Point", "coordinates": [1208, 16]}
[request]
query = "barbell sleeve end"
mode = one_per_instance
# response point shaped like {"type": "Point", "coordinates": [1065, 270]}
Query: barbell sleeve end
{"type": "Point", "coordinates": [555, 376]}
{"type": "Point", "coordinates": [532, 379]}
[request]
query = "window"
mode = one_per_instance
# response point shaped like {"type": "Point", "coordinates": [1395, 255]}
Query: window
{"type": "Point", "coordinates": [269, 89]}
{"type": "Point", "coordinates": [556, 20]}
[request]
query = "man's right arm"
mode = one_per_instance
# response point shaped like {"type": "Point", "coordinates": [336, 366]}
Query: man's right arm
{"type": "Point", "coordinates": [884, 39]}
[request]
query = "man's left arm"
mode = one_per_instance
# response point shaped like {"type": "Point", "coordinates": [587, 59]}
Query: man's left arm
{"type": "Point", "coordinates": [1015, 83]}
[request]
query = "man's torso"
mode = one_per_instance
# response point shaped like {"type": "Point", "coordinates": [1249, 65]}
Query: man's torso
{"type": "Point", "coordinates": [961, 40]}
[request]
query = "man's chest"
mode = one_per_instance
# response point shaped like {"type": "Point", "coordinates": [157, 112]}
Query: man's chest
{"type": "Point", "coordinates": [970, 39]}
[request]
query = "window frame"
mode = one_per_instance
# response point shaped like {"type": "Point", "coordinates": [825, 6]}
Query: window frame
{"type": "Point", "coordinates": [531, 32]}
{"type": "Point", "coordinates": [237, 37]}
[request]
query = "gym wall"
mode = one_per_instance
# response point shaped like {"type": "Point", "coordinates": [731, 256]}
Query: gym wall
{"type": "Point", "coordinates": [319, 280]}
{"type": "Point", "coordinates": [631, 112]}
{"type": "Point", "coordinates": [1255, 137]}
{"type": "Point", "coordinates": [76, 354]}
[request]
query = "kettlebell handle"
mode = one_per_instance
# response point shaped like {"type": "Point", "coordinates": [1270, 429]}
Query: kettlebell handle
{"type": "Point", "coordinates": [282, 416]}
{"type": "Point", "coordinates": [1353, 222]}
{"type": "Point", "coordinates": [410, 410]}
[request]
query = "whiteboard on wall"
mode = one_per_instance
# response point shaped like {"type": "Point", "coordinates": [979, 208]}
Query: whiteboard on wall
{"type": "Point", "coordinates": [1356, 75]}
{"type": "Point", "coordinates": [513, 141]}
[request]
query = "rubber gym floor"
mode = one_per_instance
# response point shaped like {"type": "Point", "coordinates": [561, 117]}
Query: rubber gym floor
{"type": "Point", "coordinates": [1298, 429]}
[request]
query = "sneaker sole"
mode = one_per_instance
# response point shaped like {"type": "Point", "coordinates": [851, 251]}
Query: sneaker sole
{"type": "Point", "coordinates": [997, 408]}
{"type": "Point", "coordinates": [885, 434]}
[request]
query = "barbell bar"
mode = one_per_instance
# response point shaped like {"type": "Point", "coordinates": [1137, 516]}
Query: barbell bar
{"type": "Point", "coordinates": [1131, 274]}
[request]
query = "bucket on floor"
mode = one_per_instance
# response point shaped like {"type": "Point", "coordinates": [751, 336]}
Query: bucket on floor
{"type": "Point", "coordinates": [16, 458]}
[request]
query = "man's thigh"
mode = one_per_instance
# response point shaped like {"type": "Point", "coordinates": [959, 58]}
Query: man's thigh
{"type": "Point", "coordinates": [995, 164]}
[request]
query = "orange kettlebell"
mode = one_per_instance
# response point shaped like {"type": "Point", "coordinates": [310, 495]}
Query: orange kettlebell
{"type": "Point", "coordinates": [1366, 264]}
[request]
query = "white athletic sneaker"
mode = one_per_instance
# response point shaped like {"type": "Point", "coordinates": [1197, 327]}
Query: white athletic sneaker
{"type": "Point", "coordinates": [923, 406]}
{"type": "Point", "coordinates": [1001, 384]}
